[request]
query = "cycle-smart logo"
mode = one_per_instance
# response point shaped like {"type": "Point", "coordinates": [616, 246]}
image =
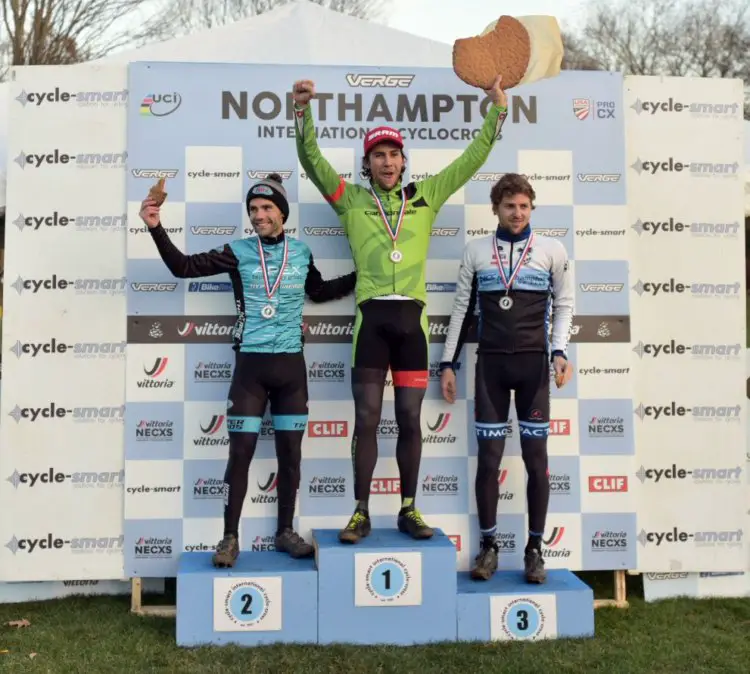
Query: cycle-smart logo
{"type": "Point", "coordinates": [708, 475]}
{"type": "Point", "coordinates": [100, 545]}
{"type": "Point", "coordinates": [699, 109]}
{"type": "Point", "coordinates": [79, 350]}
{"type": "Point", "coordinates": [696, 289]}
{"type": "Point", "coordinates": [692, 168]}
{"type": "Point", "coordinates": [79, 286]}
{"type": "Point", "coordinates": [694, 228]}
{"type": "Point", "coordinates": [673, 348]}
{"type": "Point", "coordinates": [673, 410]}
{"type": "Point", "coordinates": [77, 479]}
{"type": "Point", "coordinates": [730, 538]}
{"type": "Point", "coordinates": [81, 160]}
{"type": "Point", "coordinates": [53, 411]}
{"type": "Point", "coordinates": [84, 98]}
{"type": "Point", "coordinates": [57, 222]}
{"type": "Point", "coordinates": [387, 579]}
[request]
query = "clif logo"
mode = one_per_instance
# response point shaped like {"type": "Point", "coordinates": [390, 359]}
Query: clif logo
{"type": "Point", "coordinates": [327, 429]}
{"type": "Point", "coordinates": [600, 484]}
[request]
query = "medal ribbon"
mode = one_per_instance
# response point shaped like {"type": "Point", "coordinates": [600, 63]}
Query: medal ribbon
{"type": "Point", "coordinates": [391, 232]}
{"type": "Point", "coordinates": [269, 290]}
{"type": "Point", "coordinates": [514, 272]}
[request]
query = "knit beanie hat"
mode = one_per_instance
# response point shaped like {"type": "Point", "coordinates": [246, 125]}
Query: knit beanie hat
{"type": "Point", "coordinates": [269, 188]}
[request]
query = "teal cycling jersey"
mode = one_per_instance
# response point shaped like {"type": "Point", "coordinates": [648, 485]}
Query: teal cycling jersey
{"type": "Point", "coordinates": [264, 324]}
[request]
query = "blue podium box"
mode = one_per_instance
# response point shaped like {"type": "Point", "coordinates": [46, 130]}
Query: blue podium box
{"type": "Point", "coordinates": [507, 608]}
{"type": "Point", "coordinates": [386, 589]}
{"type": "Point", "coordinates": [266, 598]}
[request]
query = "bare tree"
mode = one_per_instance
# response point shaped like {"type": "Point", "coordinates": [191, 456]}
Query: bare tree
{"type": "Point", "coordinates": [37, 32]}
{"type": "Point", "coordinates": [188, 16]}
{"type": "Point", "coordinates": [700, 38]}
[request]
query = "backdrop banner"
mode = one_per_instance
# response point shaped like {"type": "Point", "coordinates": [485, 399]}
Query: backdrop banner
{"type": "Point", "coordinates": [685, 158]}
{"type": "Point", "coordinates": [212, 130]}
{"type": "Point", "coordinates": [64, 333]}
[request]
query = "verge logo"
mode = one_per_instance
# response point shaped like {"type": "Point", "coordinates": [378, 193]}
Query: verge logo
{"type": "Point", "coordinates": [82, 160]}
{"type": "Point", "coordinates": [255, 174]}
{"type": "Point", "coordinates": [700, 539]}
{"type": "Point", "coordinates": [150, 287]}
{"type": "Point", "coordinates": [698, 351]}
{"type": "Point", "coordinates": [77, 545]}
{"type": "Point", "coordinates": [153, 174]}
{"type": "Point", "coordinates": [601, 287]}
{"type": "Point", "coordinates": [711, 476]}
{"type": "Point", "coordinates": [694, 288]}
{"type": "Point", "coordinates": [697, 229]}
{"type": "Point", "coordinates": [697, 412]}
{"type": "Point", "coordinates": [713, 110]}
{"type": "Point", "coordinates": [212, 230]}
{"type": "Point", "coordinates": [377, 80]}
{"type": "Point", "coordinates": [83, 98]}
{"type": "Point", "coordinates": [80, 286]}
{"type": "Point", "coordinates": [160, 105]}
{"type": "Point", "coordinates": [695, 169]}
{"type": "Point", "coordinates": [599, 177]}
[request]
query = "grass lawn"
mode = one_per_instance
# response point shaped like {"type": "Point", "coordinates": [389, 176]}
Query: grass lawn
{"type": "Point", "coordinates": [97, 635]}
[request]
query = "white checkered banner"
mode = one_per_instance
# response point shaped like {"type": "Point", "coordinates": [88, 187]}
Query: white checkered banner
{"type": "Point", "coordinates": [212, 129]}
{"type": "Point", "coordinates": [685, 197]}
{"type": "Point", "coordinates": [64, 332]}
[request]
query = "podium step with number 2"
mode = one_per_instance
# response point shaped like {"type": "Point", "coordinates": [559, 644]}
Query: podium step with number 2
{"type": "Point", "coordinates": [266, 598]}
{"type": "Point", "coordinates": [386, 589]}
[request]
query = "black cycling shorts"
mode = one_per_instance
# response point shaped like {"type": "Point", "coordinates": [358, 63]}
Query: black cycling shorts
{"type": "Point", "coordinates": [528, 375]}
{"type": "Point", "coordinates": [260, 378]}
{"type": "Point", "coordinates": [395, 334]}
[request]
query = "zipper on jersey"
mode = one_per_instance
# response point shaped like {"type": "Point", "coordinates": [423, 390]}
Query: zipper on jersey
{"type": "Point", "coordinates": [510, 271]}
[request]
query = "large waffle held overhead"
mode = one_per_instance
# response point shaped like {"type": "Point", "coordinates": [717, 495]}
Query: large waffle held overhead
{"type": "Point", "coordinates": [522, 49]}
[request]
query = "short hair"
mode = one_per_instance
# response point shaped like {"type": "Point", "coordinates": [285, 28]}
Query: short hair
{"type": "Point", "coordinates": [510, 185]}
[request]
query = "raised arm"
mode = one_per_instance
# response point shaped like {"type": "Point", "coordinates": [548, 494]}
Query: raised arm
{"type": "Point", "coordinates": [217, 261]}
{"type": "Point", "coordinates": [211, 263]}
{"type": "Point", "coordinates": [438, 188]}
{"type": "Point", "coordinates": [461, 314]}
{"type": "Point", "coordinates": [326, 179]}
{"type": "Point", "coordinates": [319, 290]}
{"type": "Point", "coordinates": [563, 302]}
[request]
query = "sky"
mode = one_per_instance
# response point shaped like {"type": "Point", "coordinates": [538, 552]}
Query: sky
{"type": "Point", "coordinates": [447, 20]}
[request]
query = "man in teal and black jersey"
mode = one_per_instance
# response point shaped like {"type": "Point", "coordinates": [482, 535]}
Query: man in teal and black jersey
{"type": "Point", "coordinates": [271, 274]}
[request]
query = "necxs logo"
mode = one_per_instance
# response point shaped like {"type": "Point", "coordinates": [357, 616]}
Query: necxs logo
{"type": "Point", "coordinates": [377, 80]}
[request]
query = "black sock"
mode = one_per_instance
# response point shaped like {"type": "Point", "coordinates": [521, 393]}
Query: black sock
{"type": "Point", "coordinates": [534, 542]}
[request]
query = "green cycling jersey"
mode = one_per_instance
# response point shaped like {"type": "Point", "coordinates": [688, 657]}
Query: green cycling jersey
{"type": "Point", "coordinates": [357, 209]}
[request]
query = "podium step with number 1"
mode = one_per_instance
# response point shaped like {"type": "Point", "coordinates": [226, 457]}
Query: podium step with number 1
{"type": "Point", "coordinates": [386, 589]}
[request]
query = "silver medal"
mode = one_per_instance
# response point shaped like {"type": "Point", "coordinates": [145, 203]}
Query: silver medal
{"type": "Point", "coordinates": [506, 303]}
{"type": "Point", "coordinates": [396, 256]}
{"type": "Point", "coordinates": [268, 311]}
